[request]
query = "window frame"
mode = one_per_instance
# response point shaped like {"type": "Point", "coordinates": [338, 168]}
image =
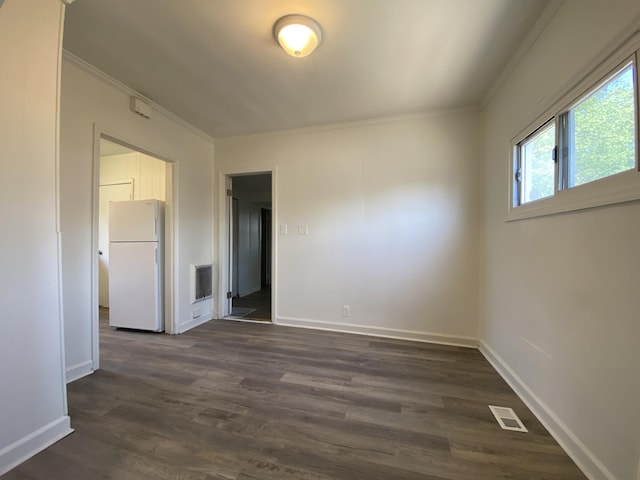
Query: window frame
{"type": "Point", "coordinates": [617, 188]}
{"type": "Point", "coordinates": [518, 166]}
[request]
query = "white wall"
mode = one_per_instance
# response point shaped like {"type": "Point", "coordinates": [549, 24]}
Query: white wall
{"type": "Point", "coordinates": [148, 173]}
{"type": "Point", "coordinates": [560, 314]}
{"type": "Point", "coordinates": [33, 410]}
{"type": "Point", "coordinates": [88, 100]}
{"type": "Point", "coordinates": [392, 209]}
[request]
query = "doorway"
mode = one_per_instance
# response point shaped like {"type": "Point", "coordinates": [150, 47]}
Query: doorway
{"type": "Point", "coordinates": [250, 232]}
{"type": "Point", "coordinates": [125, 173]}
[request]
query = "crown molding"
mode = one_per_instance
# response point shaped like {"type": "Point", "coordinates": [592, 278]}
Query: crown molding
{"type": "Point", "coordinates": [87, 67]}
{"type": "Point", "coordinates": [532, 37]}
{"type": "Point", "coordinates": [401, 117]}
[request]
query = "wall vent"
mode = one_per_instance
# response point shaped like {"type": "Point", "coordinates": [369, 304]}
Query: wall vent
{"type": "Point", "coordinates": [201, 282]}
{"type": "Point", "coordinates": [507, 419]}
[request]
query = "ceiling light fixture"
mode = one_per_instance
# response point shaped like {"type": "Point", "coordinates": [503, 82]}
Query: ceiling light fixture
{"type": "Point", "coordinates": [298, 35]}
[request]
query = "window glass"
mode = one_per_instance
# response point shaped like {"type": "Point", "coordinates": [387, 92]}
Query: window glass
{"type": "Point", "coordinates": [601, 132]}
{"type": "Point", "coordinates": [537, 169]}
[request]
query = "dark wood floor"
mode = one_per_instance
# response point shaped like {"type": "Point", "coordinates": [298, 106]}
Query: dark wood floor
{"type": "Point", "coordinates": [244, 401]}
{"type": "Point", "coordinates": [259, 302]}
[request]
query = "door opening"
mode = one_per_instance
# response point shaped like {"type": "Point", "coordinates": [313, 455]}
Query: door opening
{"type": "Point", "coordinates": [125, 173]}
{"type": "Point", "coordinates": [250, 249]}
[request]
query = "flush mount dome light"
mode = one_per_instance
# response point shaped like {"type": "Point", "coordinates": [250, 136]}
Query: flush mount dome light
{"type": "Point", "coordinates": [298, 35]}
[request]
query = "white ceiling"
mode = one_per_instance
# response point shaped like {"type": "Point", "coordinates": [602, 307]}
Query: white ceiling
{"type": "Point", "coordinates": [215, 63]}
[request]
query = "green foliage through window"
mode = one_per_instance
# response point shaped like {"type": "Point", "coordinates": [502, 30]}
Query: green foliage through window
{"type": "Point", "coordinates": [603, 126]}
{"type": "Point", "coordinates": [536, 164]}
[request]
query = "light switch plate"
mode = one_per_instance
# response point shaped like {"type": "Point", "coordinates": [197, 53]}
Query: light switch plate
{"type": "Point", "coordinates": [303, 229]}
{"type": "Point", "coordinates": [283, 229]}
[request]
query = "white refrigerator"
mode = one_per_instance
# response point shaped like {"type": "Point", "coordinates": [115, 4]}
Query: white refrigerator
{"type": "Point", "coordinates": [136, 273]}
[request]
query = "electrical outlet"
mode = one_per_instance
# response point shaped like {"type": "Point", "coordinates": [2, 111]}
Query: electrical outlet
{"type": "Point", "coordinates": [346, 310]}
{"type": "Point", "coordinates": [195, 313]}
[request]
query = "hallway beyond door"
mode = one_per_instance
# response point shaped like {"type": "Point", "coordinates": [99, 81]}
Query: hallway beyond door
{"type": "Point", "coordinates": [256, 306]}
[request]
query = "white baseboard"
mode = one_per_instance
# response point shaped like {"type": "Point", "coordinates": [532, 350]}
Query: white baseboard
{"type": "Point", "coordinates": [194, 322]}
{"type": "Point", "coordinates": [79, 370]}
{"type": "Point", "coordinates": [593, 468]}
{"type": "Point", "coordinates": [13, 455]}
{"type": "Point", "coordinates": [453, 340]}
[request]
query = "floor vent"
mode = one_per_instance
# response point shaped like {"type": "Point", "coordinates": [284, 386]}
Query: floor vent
{"type": "Point", "coordinates": [507, 419]}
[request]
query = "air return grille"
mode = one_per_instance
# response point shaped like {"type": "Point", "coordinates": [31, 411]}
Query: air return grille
{"type": "Point", "coordinates": [507, 419]}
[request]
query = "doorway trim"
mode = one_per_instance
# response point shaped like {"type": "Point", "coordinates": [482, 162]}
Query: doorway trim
{"type": "Point", "coordinates": [171, 234]}
{"type": "Point", "coordinates": [224, 238]}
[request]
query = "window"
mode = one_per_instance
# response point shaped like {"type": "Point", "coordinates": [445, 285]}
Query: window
{"type": "Point", "coordinates": [584, 153]}
{"type": "Point", "coordinates": [535, 171]}
{"type": "Point", "coordinates": [598, 133]}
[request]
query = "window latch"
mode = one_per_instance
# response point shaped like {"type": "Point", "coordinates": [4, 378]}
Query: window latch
{"type": "Point", "coordinates": [518, 175]}
{"type": "Point", "coordinates": [554, 154]}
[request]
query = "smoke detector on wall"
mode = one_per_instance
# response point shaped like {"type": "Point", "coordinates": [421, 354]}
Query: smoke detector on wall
{"type": "Point", "coordinates": [141, 107]}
